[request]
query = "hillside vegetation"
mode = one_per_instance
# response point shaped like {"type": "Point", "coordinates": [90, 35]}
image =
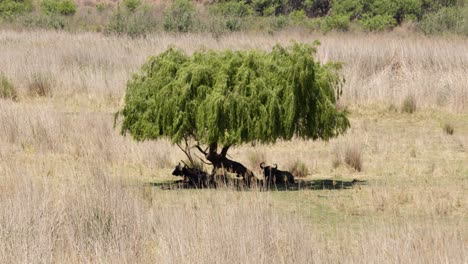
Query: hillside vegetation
{"type": "Point", "coordinates": [138, 18]}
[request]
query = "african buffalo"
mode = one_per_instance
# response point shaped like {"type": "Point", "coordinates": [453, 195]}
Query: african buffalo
{"type": "Point", "coordinates": [196, 177]}
{"type": "Point", "coordinates": [275, 176]}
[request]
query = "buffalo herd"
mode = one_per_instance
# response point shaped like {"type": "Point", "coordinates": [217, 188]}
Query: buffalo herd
{"type": "Point", "coordinates": [197, 178]}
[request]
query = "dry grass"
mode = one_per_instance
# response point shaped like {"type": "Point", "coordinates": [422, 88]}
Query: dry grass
{"type": "Point", "coordinates": [379, 69]}
{"type": "Point", "coordinates": [353, 157]}
{"type": "Point", "coordinates": [72, 190]}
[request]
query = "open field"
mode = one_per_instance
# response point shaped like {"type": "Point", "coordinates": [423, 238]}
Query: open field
{"type": "Point", "coordinates": [73, 190]}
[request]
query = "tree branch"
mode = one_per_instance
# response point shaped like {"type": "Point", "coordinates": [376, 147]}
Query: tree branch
{"type": "Point", "coordinates": [207, 163]}
{"type": "Point", "coordinates": [225, 150]}
{"type": "Point", "coordinates": [201, 150]}
{"type": "Point", "coordinates": [186, 152]}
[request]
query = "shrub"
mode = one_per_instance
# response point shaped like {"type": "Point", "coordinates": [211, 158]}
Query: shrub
{"type": "Point", "coordinates": [10, 8]}
{"type": "Point", "coordinates": [337, 22]}
{"type": "Point", "coordinates": [132, 5]}
{"type": "Point", "coordinates": [51, 21]}
{"type": "Point", "coordinates": [378, 23]}
{"type": "Point", "coordinates": [353, 157]}
{"type": "Point", "coordinates": [297, 17]}
{"type": "Point", "coordinates": [58, 7]}
{"type": "Point", "coordinates": [231, 9]}
{"type": "Point", "coordinates": [267, 7]}
{"type": "Point", "coordinates": [409, 104]}
{"type": "Point", "coordinates": [101, 7]}
{"type": "Point", "coordinates": [448, 129]}
{"type": "Point", "coordinates": [450, 19]}
{"type": "Point", "coordinates": [132, 23]}
{"type": "Point", "coordinates": [278, 22]}
{"type": "Point", "coordinates": [40, 85]}
{"type": "Point", "coordinates": [7, 90]}
{"type": "Point", "coordinates": [299, 169]}
{"type": "Point", "coordinates": [180, 16]}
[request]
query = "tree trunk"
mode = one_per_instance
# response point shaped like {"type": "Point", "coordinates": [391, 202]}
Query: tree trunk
{"type": "Point", "coordinates": [220, 161]}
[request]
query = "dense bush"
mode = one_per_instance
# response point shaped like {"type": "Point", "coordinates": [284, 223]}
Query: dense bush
{"type": "Point", "coordinates": [132, 22]}
{"type": "Point", "coordinates": [378, 23]}
{"type": "Point", "coordinates": [180, 16]}
{"type": "Point", "coordinates": [448, 19]}
{"type": "Point", "coordinates": [337, 22]}
{"type": "Point", "coordinates": [236, 9]}
{"type": "Point", "coordinates": [10, 8]}
{"type": "Point", "coordinates": [267, 7]}
{"type": "Point", "coordinates": [57, 22]}
{"type": "Point", "coordinates": [58, 7]}
{"type": "Point", "coordinates": [132, 5]}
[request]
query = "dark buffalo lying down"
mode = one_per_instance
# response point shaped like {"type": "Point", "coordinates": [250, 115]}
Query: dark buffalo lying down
{"type": "Point", "coordinates": [275, 176]}
{"type": "Point", "coordinates": [195, 177]}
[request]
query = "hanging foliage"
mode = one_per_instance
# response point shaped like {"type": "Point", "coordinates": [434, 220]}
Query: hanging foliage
{"type": "Point", "coordinates": [225, 98]}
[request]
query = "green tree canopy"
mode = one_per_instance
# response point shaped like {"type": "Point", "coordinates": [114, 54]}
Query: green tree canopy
{"type": "Point", "coordinates": [234, 97]}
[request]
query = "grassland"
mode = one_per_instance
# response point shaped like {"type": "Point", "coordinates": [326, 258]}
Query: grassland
{"type": "Point", "coordinates": [73, 190]}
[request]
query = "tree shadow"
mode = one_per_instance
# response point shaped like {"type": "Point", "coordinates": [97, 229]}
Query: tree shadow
{"type": "Point", "coordinates": [320, 184]}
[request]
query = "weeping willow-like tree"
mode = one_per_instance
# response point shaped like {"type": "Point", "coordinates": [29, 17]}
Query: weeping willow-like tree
{"type": "Point", "coordinates": [213, 100]}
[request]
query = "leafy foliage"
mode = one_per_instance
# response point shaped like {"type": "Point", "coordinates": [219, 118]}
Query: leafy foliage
{"type": "Point", "coordinates": [132, 5]}
{"type": "Point", "coordinates": [58, 7]}
{"type": "Point", "coordinates": [10, 8]}
{"type": "Point", "coordinates": [132, 22]}
{"type": "Point", "coordinates": [338, 22]}
{"type": "Point", "coordinates": [234, 97]}
{"type": "Point", "coordinates": [378, 23]}
{"type": "Point", "coordinates": [448, 19]}
{"type": "Point", "coordinates": [180, 16]}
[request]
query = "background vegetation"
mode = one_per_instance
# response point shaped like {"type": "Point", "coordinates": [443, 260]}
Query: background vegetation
{"type": "Point", "coordinates": [138, 18]}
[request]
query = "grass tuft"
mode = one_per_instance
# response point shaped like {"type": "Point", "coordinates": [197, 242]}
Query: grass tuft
{"type": "Point", "coordinates": [7, 90]}
{"type": "Point", "coordinates": [353, 157]}
{"type": "Point", "coordinates": [409, 104]}
{"type": "Point", "coordinates": [448, 129]}
{"type": "Point", "coordinates": [40, 85]}
{"type": "Point", "coordinates": [299, 169]}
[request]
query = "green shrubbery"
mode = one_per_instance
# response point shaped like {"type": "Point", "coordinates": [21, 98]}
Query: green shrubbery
{"type": "Point", "coordinates": [10, 8]}
{"type": "Point", "coordinates": [180, 16]}
{"type": "Point", "coordinates": [378, 23]}
{"type": "Point", "coordinates": [137, 17]}
{"type": "Point", "coordinates": [58, 7]}
{"type": "Point", "coordinates": [337, 22]}
{"type": "Point", "coordinates": [448, 19]}
{"type": "Point", "coordinates": [132, 21]}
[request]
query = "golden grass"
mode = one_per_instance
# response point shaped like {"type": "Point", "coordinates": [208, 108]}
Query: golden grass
{"type": "Point", "coordinates": [73, 190]}
{"type": "Point", "coordinates": [380, 68]}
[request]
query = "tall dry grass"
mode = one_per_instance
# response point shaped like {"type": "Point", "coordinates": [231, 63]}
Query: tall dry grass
{"type": "Point", "coordinates": [95, 218]}
{"type": "Point", "coordinates": [379, 68]}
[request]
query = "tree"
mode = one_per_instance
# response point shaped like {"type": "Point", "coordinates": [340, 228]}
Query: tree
{"type": "Point", "coordinates": [219, 99]}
